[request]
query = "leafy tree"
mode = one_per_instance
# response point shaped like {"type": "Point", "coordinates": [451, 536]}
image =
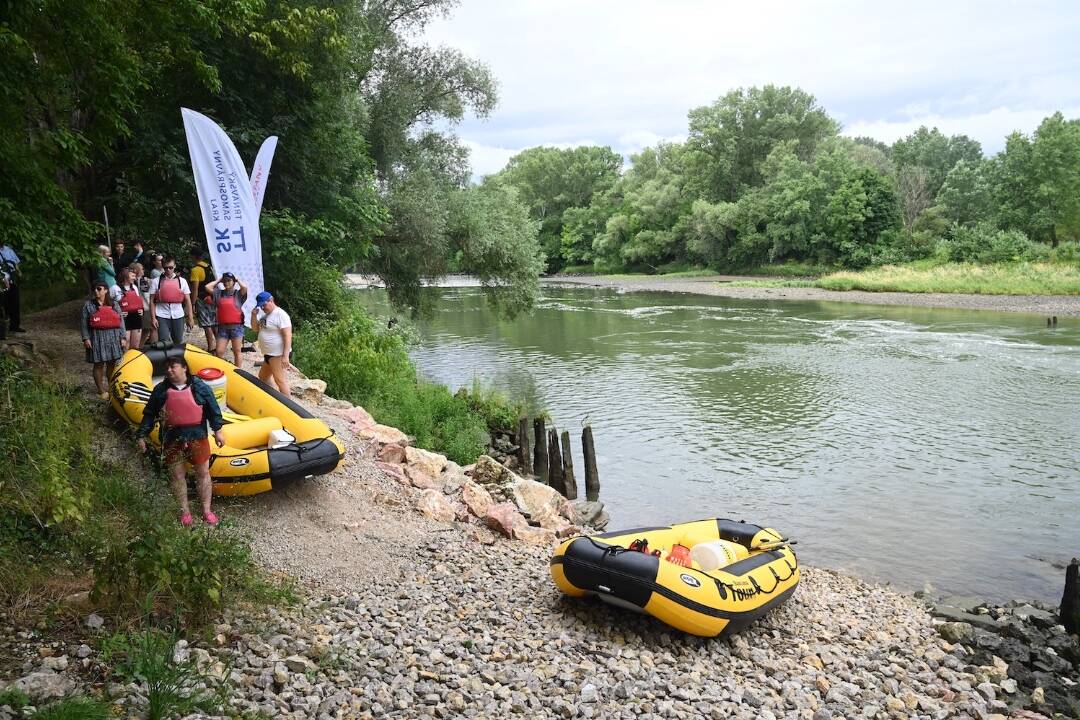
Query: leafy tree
{"type": "Point", "coordinates": [914, 194]}
{"type": "Point", "coordinates": [730, 139]}
{"type": "Point", "coordinates": [1013, 186]}
{"type": "Point", "coordinates": [965, 196]}
{"type": "Point", "coordinates": [1055, 164]}
{"type": "Point", "coordinates": [552, 181]}
{"type": "Point", "coordinates": [935, 153]}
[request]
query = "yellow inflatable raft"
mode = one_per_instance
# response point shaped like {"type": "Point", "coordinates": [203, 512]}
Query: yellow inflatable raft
{"type": "Point", "coordinates": [253, 459]}
{"type": "Point", "coordinates": [706, 577]}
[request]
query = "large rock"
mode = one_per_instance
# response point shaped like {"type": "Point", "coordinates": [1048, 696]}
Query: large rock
{"type": "Point", "coordinates": [309, 389]}
{"type": "Point", "coordinates": [587, 510]}
{"type": "Point", "coordinates": [454, 478]}
{"type": "Point", "coordinates": [535, 535]}
{"type": "Point", "coordinates": [44, 685]}
{"type": "Point", "coordinates": [435, 505]}
{"type": "Point", "coordinates": [479, 534]}
{"type": "Point", "coordinates": [504, 518]}
{"type": "Point", "coordinates": [335, 404]}
{"type": "Point", "coordinates": [421, 478]}
{"type": "Point", "coordinates": [394, 471]}
{"type": "Point", "coordinates": [548, 517]}
{"type": "Point", "coordinates": [359, 418]}
{"type": "Point", "coordinates": [476, 498]}
{"type": "Point", "coordinates": [530, 496]}
{"type": "Point", "coordinates": [495, 477]}
{"type": "Point", "coordinates": [383, 434]}
{"type": "Point", "coordinates": [391, 453]}
{"type": "Point", "coordinates": [425, 460]}
{"type": "Point", "coordinates": [956, 632]}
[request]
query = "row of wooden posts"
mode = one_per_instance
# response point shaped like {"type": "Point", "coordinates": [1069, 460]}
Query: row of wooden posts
{"type": "Point", "coordinates": [552, 462]}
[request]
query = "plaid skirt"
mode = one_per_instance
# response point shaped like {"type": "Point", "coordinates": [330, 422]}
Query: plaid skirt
{"type": "Point", "coordinates": [206, 314]}
{"type": "Point", "coordinates": [105, 345]}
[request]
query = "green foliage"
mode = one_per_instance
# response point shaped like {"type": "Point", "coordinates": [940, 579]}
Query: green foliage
{"type": "Point", "coordinates": [986, 244]}
{"type": "Point", "coordinates": [965, 195]}
{"type": "Point", "coordinates": [300, 264]}
{"type": "Point", "coordinates": [14, 698]}
{"type": "Point", "coordinates": [553, 182]}
{"type": "Point", "coordinates": [45, 448]}
{"type": "Point", "coordinates": [369, 366]}
{"type": "Point", "coordinates": [182, 573]}
{"type": "Point", "coordinates": [1013, 278]}
{"type": "Point", "coordinates": [73, 708]}
{"type": "Point", "coordinates": [935, 154]}
{"type": "Point", "coordinates": [172, 682]}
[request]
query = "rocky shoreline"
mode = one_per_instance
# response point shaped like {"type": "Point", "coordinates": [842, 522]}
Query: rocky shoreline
{"type": "Point", "coordinates": [719, 286]}
{"type": "Point", "coordinates": [408, 614]}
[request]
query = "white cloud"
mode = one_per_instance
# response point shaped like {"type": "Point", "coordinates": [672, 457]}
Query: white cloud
{"type": "Point", "coordinates": [990, 128]}
{"type": "Point", "coordinates": [622, 71]}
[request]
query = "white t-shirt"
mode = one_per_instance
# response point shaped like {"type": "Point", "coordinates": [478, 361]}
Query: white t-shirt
{"type": "Point", "coordinates": [169, 310]}
{"type": "Point", "coordinates": [271, 341]}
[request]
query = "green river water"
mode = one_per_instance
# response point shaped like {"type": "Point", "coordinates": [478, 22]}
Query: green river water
{"type": "Point", "coordinates": [904, 445]}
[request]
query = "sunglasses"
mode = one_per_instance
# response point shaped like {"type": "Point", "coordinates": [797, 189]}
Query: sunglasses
{"type": "Point", "coordinates": [170, 267]}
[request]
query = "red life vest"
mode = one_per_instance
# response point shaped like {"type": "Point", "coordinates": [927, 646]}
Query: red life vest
{"type": "Point", "coordinates": [227, 311]}
{"type": "Point", "coordinates": [169, 293]}
{"type": "Point", "coordinates": [105, 318]}
{"type": "Point", "coordinates": [131, 301]}
{"type": "Point", "coordinates": [181, 410]}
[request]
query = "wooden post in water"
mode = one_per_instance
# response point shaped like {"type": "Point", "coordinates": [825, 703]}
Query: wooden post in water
{"type": "Point", "coordinates": [1069, 613]}
{"type": "Point", "coordinates": [569, 482]}
{"type": "Point", "coordinates": [524, 451]}
{"type": "Point", "coordinates": [592, 480]}
{"type": "Point", "coordinates": [540, 455]}
{"type": "Point", "coordinates": [555, 471]}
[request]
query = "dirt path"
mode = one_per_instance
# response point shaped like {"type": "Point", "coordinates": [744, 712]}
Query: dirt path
{"type": "Point", "coordinates": [1046, 305]}
{"type": "Point", "coordinates": [337, 530]}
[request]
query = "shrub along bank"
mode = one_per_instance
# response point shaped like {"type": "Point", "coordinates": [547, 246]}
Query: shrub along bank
{"type": "Point", "coordinates": [71, 522]}
{"type": "Point", "coordinates": [369, 365]}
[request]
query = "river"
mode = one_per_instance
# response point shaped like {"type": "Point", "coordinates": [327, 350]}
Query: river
{"type": "Point", "coordinates": [905, 445]}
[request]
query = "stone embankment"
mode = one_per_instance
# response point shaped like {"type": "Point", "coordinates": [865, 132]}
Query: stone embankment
{"type": "Point", "coordinates": [418, 605]}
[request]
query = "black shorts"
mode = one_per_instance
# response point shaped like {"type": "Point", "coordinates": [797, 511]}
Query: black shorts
{"type": "Point", "coordinates": [266, 358]}
{"type": "Point", "coordinates": [133, 321]}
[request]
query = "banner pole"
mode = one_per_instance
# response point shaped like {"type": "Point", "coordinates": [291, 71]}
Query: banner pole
{"type": "Point", "coordinates": [108, 233]}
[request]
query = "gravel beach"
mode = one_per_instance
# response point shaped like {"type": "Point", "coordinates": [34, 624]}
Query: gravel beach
{"type": "Point", "coordinates": [407, 617]}
{"type": "Point", "coordinates": [718, 285]}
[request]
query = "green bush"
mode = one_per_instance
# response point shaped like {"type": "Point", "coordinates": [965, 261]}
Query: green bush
{"type": "Point", "coordinates": [299, 273]}
{"type": "Point", "coordinates": [74, 708]}
{"type": "Point", "coordinates": [367, 365]}
{"type": "Point", "coordinates": [179, 572]}
{"type": "Point", "coordinates": [14, 698]}
{"type": "Point", "coordinates": [172, 683]}
{"type": "Point", "coordinates": [1066, 252]}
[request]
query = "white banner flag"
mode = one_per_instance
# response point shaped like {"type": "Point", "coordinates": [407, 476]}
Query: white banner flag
{"type": "Point", "coordinates": [230, 215]}
{"type": "Point", "coordinates": [260, 171]}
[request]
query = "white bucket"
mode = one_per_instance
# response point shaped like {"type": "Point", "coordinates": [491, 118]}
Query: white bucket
{"type": "Point", "coordinates": [717, 554]}
{"type": "Point", "coordinates": [217, 381]}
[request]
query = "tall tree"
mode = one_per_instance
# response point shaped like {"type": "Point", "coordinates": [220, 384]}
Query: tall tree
{"type": "Point", "coordinates": [935, 153]}
{"type": "Point", "coordinates": [551, 181]}
{"type": "Point", "coordinates": [1055, 163]}
{"type": "Point", "coordinates": [730, 139]}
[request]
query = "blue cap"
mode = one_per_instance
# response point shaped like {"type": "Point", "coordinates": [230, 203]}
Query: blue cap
{"type": "Point", "coordinates": [262, 298]}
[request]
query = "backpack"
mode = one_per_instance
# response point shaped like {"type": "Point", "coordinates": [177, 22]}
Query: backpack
{"type": "Point", "coordinates": [209, 270]}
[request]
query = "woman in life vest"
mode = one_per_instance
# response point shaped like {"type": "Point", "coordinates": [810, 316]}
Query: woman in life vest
{"type": "Point", "coordinates": [229, 296]}
{"type": "Point", "coordinates": [170, 304]}
{"type": "Point", "coordinates": [131, 305]}
{"type": "Point", "coordinates": [103, 334]}
{"type": "Point", "coordinates": [185, 405]}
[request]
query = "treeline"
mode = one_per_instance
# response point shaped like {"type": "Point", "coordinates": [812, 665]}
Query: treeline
{"type": "Point", "coordinates": [764, 177]}
{"type": "Point", "coordinates": [366, 174]}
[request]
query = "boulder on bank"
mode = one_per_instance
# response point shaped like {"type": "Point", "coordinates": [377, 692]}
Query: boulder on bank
{"type": "Point", "coordinates": [476, 498]}
{"type": "Point", "coordinates": [391, 453]}
{"type": "Point", "coordinates": [308, 389]}
{"type": "Point", "coordinates": [504, 518]}
{"type": "Point", "coordinates": [425, 461]}
{"type": "Point", "coordinates": [435, 505]}
{"type": "Point", "coordinates": [496, 478]}
{"type": "Point", "coordinates": [383, 434]}
{"type": "Point", "coordinates": [422, 479]}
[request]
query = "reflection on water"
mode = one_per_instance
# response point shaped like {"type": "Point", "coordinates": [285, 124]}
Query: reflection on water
{"type": "Point", "coordinates": [903, 444]}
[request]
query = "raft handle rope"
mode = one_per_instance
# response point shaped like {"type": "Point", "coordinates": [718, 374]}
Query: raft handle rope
{"type": "Point", "coordinates": [743, 594]}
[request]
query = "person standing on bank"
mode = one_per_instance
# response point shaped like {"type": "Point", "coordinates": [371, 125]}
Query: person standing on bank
{"type": "Point", "coordinates": [229, 295]}
{"type": "Point", "coordinates": [103, 335]}
{"type": "Point", "coordinates": [186, 405]}
{"type": "Point", "coordinates": [104, 271]}
{"type": "Point", "coordinates": [200, 274]}
{"type": "Point", "coordinates": [275, 339]}
{"type": "Point", "coordinates": [170, 304]}
{"type": "Point", "coordinates": [9, 260]}
{"type": "Point", "coordinates": [131, 304]}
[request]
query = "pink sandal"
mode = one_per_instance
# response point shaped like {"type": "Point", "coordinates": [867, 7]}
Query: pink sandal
{"type": "Point", "coordinates": [186, 520]}
{"type": "Point", "coordinates": [210, 518]}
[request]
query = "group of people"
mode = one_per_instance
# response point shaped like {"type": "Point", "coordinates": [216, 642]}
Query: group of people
{"type": "Point", "coordinates": [165, 304]}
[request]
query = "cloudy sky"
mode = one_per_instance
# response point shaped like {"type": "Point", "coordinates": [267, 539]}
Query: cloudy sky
{"type": "Point", "coordinates": [624, 73]}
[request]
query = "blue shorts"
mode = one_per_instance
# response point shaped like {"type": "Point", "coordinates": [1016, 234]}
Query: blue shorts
{"type": "Point", "coordinates": [229, 332]}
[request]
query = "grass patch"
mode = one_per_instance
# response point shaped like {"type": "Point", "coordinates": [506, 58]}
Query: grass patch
{"type": "Point", "coordinates": [773, 283]}
{"type": "Point", "coordinates": [368, 365]}
{"type": "Point", "coordinates": [791, 270]}
{"type": "Point", "coordinates": [1020, 278]}
{"type": "Point", "coordinates": [74, 708]}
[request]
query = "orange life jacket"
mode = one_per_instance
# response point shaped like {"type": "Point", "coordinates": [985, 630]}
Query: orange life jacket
{"type": "Point", "coordinates": [228, 312]}
{"type": "Point", "coordinates": [181, 410]}
{"type": "Point", "coordinates": [131, 301]}
{"type": "Point", "coordinates": [105, 318]}
{"type": "Point", "coordinates": [169, 293]}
